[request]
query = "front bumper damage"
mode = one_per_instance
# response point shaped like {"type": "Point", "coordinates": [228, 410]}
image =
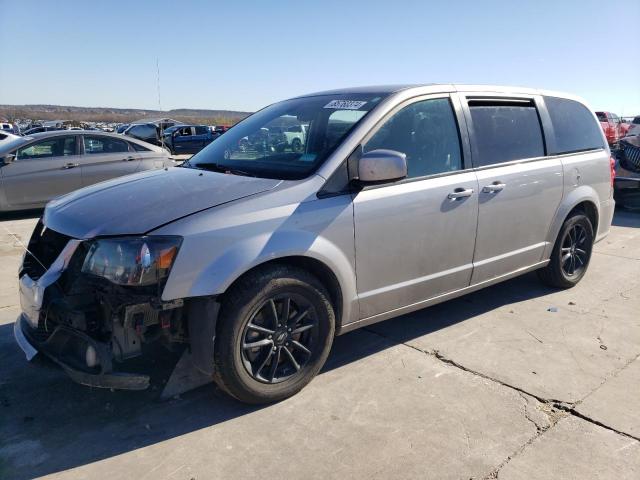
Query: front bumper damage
{"type": "Point", "coordinates": [65, 346]}
{"type": "Point", "coordinates": [92, 328]}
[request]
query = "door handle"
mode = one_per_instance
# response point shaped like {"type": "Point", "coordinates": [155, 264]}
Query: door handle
{"type": "Point", "coordinates": [459, 193]}
{"type": "Point", "coordinates": [494, 187]}
{"type": "Point", "coordinates": [67, 166]}
{"type": "Point", "coordinates": [128, 159]}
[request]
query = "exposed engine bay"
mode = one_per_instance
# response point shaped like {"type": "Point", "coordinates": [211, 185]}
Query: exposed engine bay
{"type": "Point", "coordinates": [89, 324]}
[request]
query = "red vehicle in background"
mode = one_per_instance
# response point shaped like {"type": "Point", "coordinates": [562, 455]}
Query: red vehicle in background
{"type": "Point", "coordinates": [610, 123]}
{"type": "Point", "coordinates": [625, 126]}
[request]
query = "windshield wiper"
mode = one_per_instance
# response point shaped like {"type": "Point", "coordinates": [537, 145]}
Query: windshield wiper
{"type": "Point", "coordinates": [222, 169]}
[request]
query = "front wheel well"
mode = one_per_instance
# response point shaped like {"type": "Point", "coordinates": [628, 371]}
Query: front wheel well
{"type": "Point", "coordinates": [317, 268]}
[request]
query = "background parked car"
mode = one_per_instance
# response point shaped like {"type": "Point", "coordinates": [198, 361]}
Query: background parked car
{"type": "Point", "coordinates": [38, 168]}
{"type": "Point", "coordinates": [634, 126]}
{"type": "Point", "coordinates": [610, 123]}
{"type": "Point", "coordinates": [34, 130]}
{"type": "Point", "coordinates": [122, 128]}
{"type": "Point", "coordinates": [147, 132]}
{"type": "Point", "coordinates": [221, 128]}
{"type": "Point", "coordinates": [625, 126]}
{"type": "Point", "coordinates": [10, 127]}
{"type": "Point", "coordinates": [188, 138]}
{"type": "Point", "coordinates": [627, 181]}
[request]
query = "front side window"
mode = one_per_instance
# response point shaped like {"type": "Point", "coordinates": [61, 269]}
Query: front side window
{"type": "Point", "coordinates": [573, 126]}
{"type": "Point", "coordinates": [94, 145]}
{"type": "Point", "coordinates": [427, 133]}
{"type": "Point", "coordinates": [264, 145]}
{"type": "Point", "coordinates": [52, 147]}
{"type": "Point", "coordinates": [505, 132]}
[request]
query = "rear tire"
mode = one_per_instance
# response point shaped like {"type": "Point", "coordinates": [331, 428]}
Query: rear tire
{"type": "Point", "coordinates": [274, 334]}
{"type": "Point", "coordinates": [571, 253]}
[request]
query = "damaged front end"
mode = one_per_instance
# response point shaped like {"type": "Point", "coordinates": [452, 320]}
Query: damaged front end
{"type": "Point", "coordinates": [92, 305]}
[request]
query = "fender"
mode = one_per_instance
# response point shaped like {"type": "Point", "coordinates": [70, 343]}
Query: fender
{"type": "Point", "coordinates": [583, 193]}
{"type": "Point", "coordinates": [249, 253]}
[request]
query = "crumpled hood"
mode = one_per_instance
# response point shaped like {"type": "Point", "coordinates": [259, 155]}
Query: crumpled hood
{"type": "Point", "coordinates": [138, 203]}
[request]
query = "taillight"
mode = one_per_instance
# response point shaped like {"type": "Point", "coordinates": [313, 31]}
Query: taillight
{"type": "Point", "coordinates": [612, 163]}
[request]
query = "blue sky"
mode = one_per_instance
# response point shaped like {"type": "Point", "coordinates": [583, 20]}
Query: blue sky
{"type": "Point", "coordinates": [242, 55]}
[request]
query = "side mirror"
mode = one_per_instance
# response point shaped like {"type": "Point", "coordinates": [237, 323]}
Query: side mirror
{"type": "Point", "coordinates": [9, 158]}
{"type": "Point", "coordinates": [382, 165]}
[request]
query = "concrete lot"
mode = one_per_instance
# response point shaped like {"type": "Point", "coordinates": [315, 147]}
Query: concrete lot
{"type": "Point", "coordinates": [514, 382]}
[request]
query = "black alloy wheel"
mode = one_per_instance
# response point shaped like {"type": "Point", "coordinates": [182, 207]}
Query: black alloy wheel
{"type": "Point", "coordinates": [274, 333]}
{"type": "Point", "coordinates": [279, 338]}
{"type": "Point", "coordinates": [574, 250]}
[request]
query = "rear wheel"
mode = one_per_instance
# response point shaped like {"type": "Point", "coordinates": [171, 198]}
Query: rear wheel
{"type": "Point", "coordinates": [275, 332]}
{"type": "Point", "coordinates": [571, 253]}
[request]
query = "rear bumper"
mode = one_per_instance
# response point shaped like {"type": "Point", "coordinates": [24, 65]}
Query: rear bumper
{"type": "Point", "coordinates": [66, 346]}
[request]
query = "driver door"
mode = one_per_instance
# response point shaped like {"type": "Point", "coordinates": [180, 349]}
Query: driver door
{"type": "Point", "coordinates": [415, 238]}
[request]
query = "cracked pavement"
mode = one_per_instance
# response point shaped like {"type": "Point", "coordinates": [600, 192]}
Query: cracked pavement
{"type": "Point", "coordinates": [516, 381]}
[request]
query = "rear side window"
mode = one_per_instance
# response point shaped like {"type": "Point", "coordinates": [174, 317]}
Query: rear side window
{"type": "Point", "coordinates": [201, 130]}
{"type": "Point", "coordinates": [505, 131]}
{"type": "Point", "coordinates": [573, 125]}
{"type": "Point", "coordinates": [601, 115]}
{"type": "Point", "coordinates": [104, 145]}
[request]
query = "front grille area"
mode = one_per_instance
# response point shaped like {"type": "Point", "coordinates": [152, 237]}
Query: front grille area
{"type": "Point", "coordinates": [43, 249]}
{"type": "Point", "coordinates": [631, 154]}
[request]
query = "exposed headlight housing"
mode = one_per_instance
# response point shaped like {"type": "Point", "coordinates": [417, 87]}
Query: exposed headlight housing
{"type": "Point", "coordinates": [132, 261]}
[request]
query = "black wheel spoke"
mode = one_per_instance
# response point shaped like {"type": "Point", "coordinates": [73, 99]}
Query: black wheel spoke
{"type": "Point", "coordinates": [264, 362]}
{"type": "Point", "coordinates": [286, 308]}
{"type": "Point", "coordinates": [582, 238]}
{"type": "Point", "coordinates": [259, 343]}
{"type": "Point", "coordinates": [303, 328]}
{"type": "Point", "coordinates": [275, 359]}
{"type": "Point", "coordinates": [274, 311]}
{"type": "Point", "coordinates": [258, 328]}
{"type": "Point", "coordinates": [300, 316]}
{"type": "Point", "coordinates": [299, 346]}
{"type": "Point", "coordinates": [293, 361]}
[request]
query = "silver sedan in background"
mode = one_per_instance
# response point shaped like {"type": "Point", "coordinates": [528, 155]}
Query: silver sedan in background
{"type": "Point", "coordinates": [37, 168]}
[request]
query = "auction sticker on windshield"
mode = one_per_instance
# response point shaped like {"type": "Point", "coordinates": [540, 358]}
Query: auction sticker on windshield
{"type": "Point", "coordinates": [345, 104]}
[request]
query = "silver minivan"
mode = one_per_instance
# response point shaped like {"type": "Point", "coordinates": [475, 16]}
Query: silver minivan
{"type": "Point", "coordinates": [253, 255]}
{"type": "Point", "coordinates": [37, 168]}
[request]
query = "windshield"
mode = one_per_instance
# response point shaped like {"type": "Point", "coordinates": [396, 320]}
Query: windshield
{"type": "Point", "coordinates": [287, 140]}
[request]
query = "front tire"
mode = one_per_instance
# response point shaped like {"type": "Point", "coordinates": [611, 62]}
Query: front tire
{"type": "Point", "coordinates": [571, 253]}
{"type": "Point", "coordinates": [275, 331]}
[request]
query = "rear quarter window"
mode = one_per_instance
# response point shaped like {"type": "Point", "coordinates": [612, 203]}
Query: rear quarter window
{"type": "Point", "coordinates": [574, 128]}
